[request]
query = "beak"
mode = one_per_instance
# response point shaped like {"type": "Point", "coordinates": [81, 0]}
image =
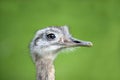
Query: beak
{"type": "Point", "coordinates": [71, 42]}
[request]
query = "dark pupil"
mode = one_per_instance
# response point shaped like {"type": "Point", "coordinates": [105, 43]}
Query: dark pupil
{"type": "Point", "coordinates": [51, 36]}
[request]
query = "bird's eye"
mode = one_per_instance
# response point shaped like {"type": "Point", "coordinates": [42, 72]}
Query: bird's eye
{"type": "Point", "coordinates": [51, 36]}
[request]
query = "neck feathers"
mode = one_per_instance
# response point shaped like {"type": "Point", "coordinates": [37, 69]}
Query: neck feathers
{"type": "Point", "coordinates": [45, 69]}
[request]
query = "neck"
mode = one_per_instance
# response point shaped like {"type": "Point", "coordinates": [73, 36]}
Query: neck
{"type": "Point", "coordinates": [45, 69]}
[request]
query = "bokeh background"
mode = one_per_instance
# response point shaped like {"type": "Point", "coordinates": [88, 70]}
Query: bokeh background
{"type": "Point", "coordinates": [92, 20]}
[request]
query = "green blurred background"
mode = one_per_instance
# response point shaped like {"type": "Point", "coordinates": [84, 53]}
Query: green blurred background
{"type": "Point", "coordinates": [93, 20]}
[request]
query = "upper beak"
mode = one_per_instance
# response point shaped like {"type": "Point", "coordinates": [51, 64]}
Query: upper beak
{"type": "Point", "coordinates": [71, 42]}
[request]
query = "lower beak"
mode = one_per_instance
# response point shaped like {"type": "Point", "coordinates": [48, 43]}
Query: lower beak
{"type": "Point", "coordinates": [78, 43]}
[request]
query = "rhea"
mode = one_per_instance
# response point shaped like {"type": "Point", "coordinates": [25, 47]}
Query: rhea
{"type": "Point", "coordinates": [45, 47]}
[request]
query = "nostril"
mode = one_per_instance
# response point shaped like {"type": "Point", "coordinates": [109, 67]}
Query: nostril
{"type": "Point", "coordinates": [76, 41]}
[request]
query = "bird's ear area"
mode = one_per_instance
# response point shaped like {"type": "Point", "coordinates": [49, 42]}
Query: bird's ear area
{"type": "Point", "coordinates": [37, 38]}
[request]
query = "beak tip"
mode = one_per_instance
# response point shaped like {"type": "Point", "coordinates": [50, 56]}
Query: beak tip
{"type": "Point", "coordinates": [90, 44]}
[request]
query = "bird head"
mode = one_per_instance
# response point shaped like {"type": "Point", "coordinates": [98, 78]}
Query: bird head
{"type": "Point", "coordinates": [47, 42]}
